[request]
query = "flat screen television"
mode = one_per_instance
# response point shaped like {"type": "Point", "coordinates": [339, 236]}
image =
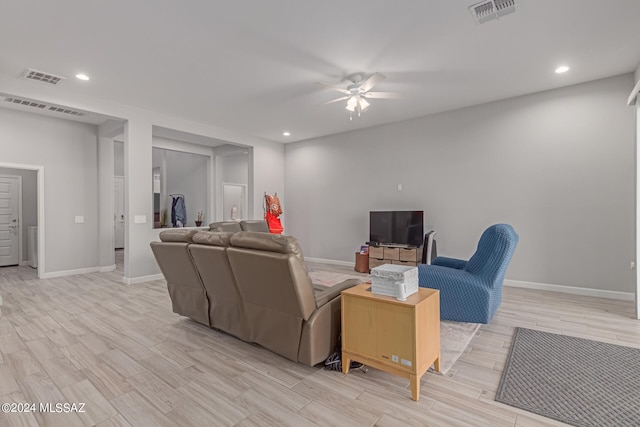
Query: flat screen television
{"type": "Point", "coordinates": [396, 227]}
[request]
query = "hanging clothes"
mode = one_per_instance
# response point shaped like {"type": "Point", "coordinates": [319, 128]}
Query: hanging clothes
{"type": "Point", "coordinates": [178, 211]}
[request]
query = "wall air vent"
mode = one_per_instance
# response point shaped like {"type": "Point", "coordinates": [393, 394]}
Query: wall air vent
{"type": "Point", "coordinates": [65, 111]}
{"type": "Point", "coordinates": [491, 9]}
{"type": "Point", "coordinates": [41, 76]}
{"type": "Point", "coordinates": [26, 102]}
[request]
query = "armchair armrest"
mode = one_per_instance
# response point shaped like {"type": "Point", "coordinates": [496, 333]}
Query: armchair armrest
{"type": "Point", "coordinates": [449, 262]}
{"type": "Point", "coordinates": [330, 293]}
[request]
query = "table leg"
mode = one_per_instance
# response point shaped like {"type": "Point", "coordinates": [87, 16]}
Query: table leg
{"type": "Point", "coordinates": [346, 362]}
{"type": "Point", "coordinates": [436, 364]}
{"type": "Point", "coordinates": [415, 387]}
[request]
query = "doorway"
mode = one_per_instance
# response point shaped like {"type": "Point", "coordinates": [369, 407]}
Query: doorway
{"type": "Point", "coordinates": [10, 220]}
{"type": "Point", "coordinates": [31, 211]}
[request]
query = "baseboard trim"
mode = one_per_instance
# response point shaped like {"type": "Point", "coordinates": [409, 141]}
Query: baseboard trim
{"type": "Point", "coordinates": [142, 279]}
{"type": "Point", "coordinates": [62, 273]}
{"type": "Point", "coordinates": [587, 292]}
{"type": "Point", "coordinates": [330, 261]}
{"type": "Point", "coordinates": [107, 269]}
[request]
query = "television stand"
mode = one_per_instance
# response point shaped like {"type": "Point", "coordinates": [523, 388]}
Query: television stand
{"type": "Point", "coordinates": [394, 254]}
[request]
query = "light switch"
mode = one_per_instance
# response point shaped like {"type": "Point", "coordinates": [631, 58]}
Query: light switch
{"type": "Point", "coordinates": [140, 219]}
{"type": "Point", "coordinates": [79, 219]}
{"type": "Point", "coordinates": [399, 187]}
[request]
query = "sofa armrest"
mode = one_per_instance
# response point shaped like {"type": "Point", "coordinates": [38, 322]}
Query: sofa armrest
{"type": "Point", "coordinates": [330, 293]}
{"type": "Point", "coordinates": [449, 262]}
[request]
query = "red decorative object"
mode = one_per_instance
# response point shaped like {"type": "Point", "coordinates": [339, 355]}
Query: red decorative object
{"type": "Point", "coordinates": [272, 212]}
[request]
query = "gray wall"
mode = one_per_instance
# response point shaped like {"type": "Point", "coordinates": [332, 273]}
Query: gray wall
{"type": "Point", "coordinates": [557, 165]}
{"type": "Point", "coordinates": [68, 152]}
{"type": "Point", "coordinates": [29, 203]}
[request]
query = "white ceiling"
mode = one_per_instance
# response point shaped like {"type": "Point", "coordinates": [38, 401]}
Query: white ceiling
{"type": "Point", "coordinates": [250, 65]}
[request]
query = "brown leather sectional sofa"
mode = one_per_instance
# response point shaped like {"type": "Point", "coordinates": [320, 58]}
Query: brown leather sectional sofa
{"type": "Point", "coordinates": [252, 285]}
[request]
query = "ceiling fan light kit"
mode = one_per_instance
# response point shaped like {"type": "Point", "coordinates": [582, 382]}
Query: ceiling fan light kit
{"type": "Point", "coordinates": [358, 91]}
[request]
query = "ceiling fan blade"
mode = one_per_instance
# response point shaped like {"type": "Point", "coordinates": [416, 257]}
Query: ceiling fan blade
{"type": "Point", "coordinates": [373, 80]}
{"type": "Point", "coordinates": [336, 88]}
{"type": "Point", "coordinates": [382, 95]}
{"type": "Point", "coordinates": [342, 98]}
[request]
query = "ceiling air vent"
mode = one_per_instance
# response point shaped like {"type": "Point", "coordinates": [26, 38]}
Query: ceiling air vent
{"type": "Point", "coordinates": [66, 111]}
{"type": "Point", "coordinates": [491, 9]}
{"type": "Point", "coordinates": [26, 102]}
{"type": "Point", "coordinates": [41, 76]}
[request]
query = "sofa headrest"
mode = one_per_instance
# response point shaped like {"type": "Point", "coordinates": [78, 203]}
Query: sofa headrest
{"type": "Point", "coordinates": [267, 242]}
{"type": "Point", "coordinates": [231, 226]}
{"type": "Point", "coordinates": [177, 235]}
{"type": "Point", "coordinates": [212, 238]}
{"type": "Point", "coordinates": [254, 225]}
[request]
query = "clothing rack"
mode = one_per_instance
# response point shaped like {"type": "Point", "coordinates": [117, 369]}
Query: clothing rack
{"type": "Point", "coordinates": [178, 195]}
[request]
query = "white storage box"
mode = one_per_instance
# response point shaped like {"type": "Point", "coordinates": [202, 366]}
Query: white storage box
{"type": "Point", "coordinates": [386, 278]}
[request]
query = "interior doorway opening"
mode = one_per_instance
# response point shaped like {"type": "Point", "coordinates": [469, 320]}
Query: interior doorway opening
{"type": "Point", "coordinates": [22, 215]}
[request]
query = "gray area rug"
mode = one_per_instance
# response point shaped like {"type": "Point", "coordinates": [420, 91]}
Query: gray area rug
{"type": "Point", "coordinates": [573, 380]}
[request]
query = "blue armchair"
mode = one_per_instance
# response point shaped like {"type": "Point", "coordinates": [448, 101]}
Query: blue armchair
{"type": "Point", "coordinates": [471, 291]}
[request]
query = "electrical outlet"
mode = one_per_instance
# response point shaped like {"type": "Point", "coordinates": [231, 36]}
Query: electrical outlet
{"type": "Point", "coordinates": [633, 265]}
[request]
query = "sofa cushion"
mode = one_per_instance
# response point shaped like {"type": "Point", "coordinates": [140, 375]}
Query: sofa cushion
{"type": "Point", "coordinates": [177, 235]}
{"type": "Point", "coordinates": [230, 226]}
{"type": "Point", "coordinates": [212, 238]}
{"type": "Point", "coordinates": [255, 225]}
{"type": "Point", "coordinates": [267, 242]}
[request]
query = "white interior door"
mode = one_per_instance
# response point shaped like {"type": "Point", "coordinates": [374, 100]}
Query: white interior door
{"type": "Point", "coordinates": [10, 220]}
{"type": "Point", "coordinates": [118, 216]}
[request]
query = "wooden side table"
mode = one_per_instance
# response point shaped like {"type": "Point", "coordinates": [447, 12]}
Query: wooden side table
{"type": "Point", "coordinates": [399, 337]}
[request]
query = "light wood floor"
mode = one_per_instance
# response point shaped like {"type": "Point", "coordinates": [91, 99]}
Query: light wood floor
{"type": "Point", "coordinates": [121, 350]}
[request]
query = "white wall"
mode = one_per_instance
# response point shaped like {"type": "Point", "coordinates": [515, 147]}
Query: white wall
{"type": "Point", "coordinates": [29, 202]}
{"type": "Point", "coordinates": [236, 168]}
{"type": "Point", "coordinates": [68, 152]}
{"type": "Point", "coordinates": [557, 165]}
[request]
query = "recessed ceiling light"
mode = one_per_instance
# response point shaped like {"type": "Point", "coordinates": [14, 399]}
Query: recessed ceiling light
{"type": "Point", "coordinates": [562, 69]}
{"type": "Point", "coordinates": [286, 133]}
{"type": "Point", "coordinates": [82, 77]}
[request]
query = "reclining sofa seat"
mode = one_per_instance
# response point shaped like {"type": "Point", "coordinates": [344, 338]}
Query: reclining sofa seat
{"type": "Point", "coordinates": [226, 309]}
{"type": "Point", "coordinates": [283, 313]}
{"type": "Point", "coordinates": [188, 294]}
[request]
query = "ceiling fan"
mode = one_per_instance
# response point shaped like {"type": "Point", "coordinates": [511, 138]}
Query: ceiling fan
{"type": "Point", "coordinates": [357, 93]}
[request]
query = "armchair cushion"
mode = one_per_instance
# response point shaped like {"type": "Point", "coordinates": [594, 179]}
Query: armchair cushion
{"type": "Point", "coordinates": [449, 262]}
